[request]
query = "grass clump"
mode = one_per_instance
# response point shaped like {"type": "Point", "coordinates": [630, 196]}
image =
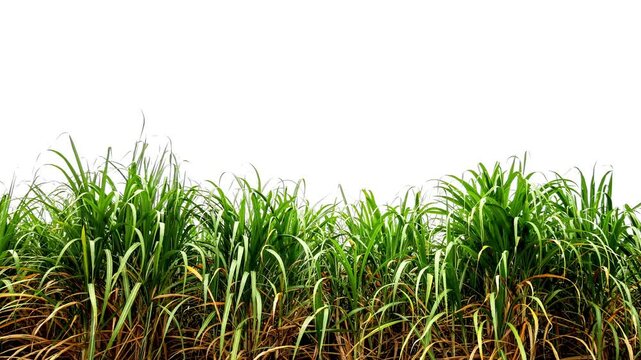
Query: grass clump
{"type": "Point", "coordinates": [133, 262]}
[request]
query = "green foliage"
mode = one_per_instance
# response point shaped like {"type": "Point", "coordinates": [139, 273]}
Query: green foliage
{"type": "Point", "coordinates": [135, 262]}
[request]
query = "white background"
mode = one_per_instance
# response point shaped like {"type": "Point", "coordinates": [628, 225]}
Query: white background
{"type": "Point", "coordinates": [376, 94]}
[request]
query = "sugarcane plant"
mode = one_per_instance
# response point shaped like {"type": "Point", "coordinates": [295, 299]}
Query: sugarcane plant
{"type": "Point", "coordinates": [134, 260]}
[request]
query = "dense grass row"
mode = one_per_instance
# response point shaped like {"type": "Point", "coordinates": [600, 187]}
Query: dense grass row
{"type": "Point", "coordinates": [131, 262]}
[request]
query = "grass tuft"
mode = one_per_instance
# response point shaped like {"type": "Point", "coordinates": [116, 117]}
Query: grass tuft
{"type": "Point", "coordinates": [134, 262]}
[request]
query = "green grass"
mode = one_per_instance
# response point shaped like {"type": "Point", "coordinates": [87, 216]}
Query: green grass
{"type": "Point", "coordinates": [133, 261]}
